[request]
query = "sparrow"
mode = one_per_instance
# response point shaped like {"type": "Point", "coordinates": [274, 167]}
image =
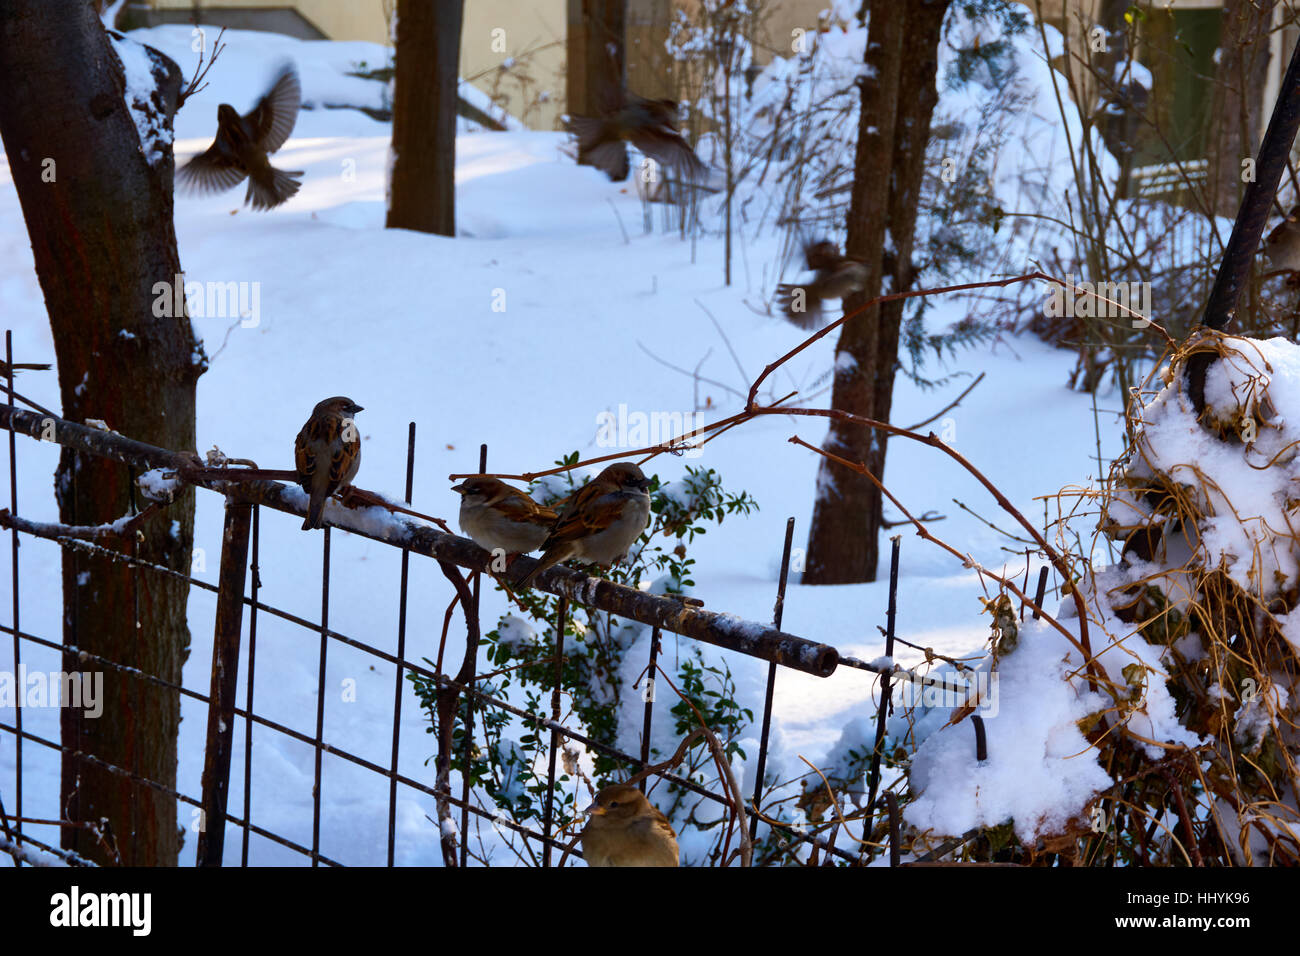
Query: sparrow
{"type": "Point", "coordinates": [836, 276]}
{"type": "Point", "coordinates": [242, 145]}
{"type": "Point", "coordinates": [625, 830]}
{"type": "Point", "coordinates": [649, 125]}
{"type": "Point", "coordinates": [600, 522]}
{"type": "Point", "coordinates": [496, 515]}
{"type": "Point", "coordinates": [327, 453]}
{"type": "Point", "coordinates": [1282, 245]}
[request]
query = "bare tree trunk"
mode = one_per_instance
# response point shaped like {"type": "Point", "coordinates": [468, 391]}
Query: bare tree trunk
{"type": "Point", "coordinates": [898, 100]}
{"type": "Point", "coordinates": [422, 191]}
{"type": "Point", "coordinates": [1234, 119]}
{"type": "Point", "coordinates": [98, 206]}
{"type": "Point", "coordinates": [596, 60]}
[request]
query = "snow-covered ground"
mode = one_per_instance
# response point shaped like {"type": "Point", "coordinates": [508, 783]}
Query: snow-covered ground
{"type": "Point", "coordinates": [405, 324]}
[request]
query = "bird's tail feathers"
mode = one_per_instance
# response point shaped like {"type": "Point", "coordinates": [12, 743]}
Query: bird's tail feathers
{"type": "Point", "coordinates": [314, 509]}
{"type": "Point", "coordinates": [268, 191]}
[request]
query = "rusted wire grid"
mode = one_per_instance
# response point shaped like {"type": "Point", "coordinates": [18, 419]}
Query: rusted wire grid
{"type": "Point", "coordinates": [37, 530]}
{"type": "Point", "coordinates": [18, 524]}
{"type": "Point", "coordinates": [15, 606]}
{"type": "Point", "coordinates": [212, 818]}
{"type": "Point", "coordinates": [255, 606]}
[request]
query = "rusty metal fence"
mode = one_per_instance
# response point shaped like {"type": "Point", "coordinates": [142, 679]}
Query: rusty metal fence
{"type": "Point", "coordinates": [237, 595]}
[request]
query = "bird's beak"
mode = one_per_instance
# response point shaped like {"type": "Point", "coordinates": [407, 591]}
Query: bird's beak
{"type": "Point", "coordinates": [357, 408]}
{"type": "Point", "coordinates": [459, 489]}
{"type": "Point", "coordinates": [595, 810]}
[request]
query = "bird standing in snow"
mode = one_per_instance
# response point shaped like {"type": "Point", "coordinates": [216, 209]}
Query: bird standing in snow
{"type": "Point", "coordinates": [836, 276]}
{"type": "Point", "coordinates": [327, 453]}
{"type": "Point", "coordinates": [600, 522]}
{"type": "Point", "coordinates": [625, 830]}
{"type": "Point", "coordinates": [497, 516]}
{"type": "Point", "coordinates": [242, 145]}
{"type": "Point", "coordinates": [649, 125]}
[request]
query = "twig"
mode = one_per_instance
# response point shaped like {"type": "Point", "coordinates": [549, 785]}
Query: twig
{"type": "Point", "coordinates": [725, 774]}
{"type": "Point", "coordinates": [196, 83]}
{"type": "Point", "coordinates": [734, 357]}
{"type": "Point", "coordinates": [621, 228]}
{"type": "Point", "coordinates": [953, 404]}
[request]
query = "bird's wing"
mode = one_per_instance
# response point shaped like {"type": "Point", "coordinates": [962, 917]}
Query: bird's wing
{"type": "Point", "coordinates": [304, 458]}
{"type": "Point", "coordinates": [668, 149]}
{"type": "Point", "coordinates": [342, 451]}
{"type": "Point", "coordinates": [212, 171]}
{"type": "Point", "coordinates": [810, 316]}
{"type": "Point", "coordinates": [592, 509]}
{"type": "Point", "coordinates": [517, 506]}
{"type": "Point", "coordinates": [273, 118]}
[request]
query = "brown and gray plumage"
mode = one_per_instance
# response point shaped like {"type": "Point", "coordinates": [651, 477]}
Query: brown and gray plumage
{"type": "Point", "coordinates": [1282, 244]}
{"type": "Point", "coordinates": [625, 830]}
{"type": "Point", "coordinates": [649, 125]}
{"type": "Point", "coordinates": [327, 453]}
{"type": "Point", "coordinates": [496, 515]}
{"type": "Point", "coordinates": [242, 144]}
{"type": "Point", "coordinates": [601, 521]}
{"type": "Point", "coordinates": [835, 277]}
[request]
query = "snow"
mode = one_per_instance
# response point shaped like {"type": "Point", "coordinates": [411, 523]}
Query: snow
{"type": "Point", "coordinates": [1039, 772]}
{"type": "Point", "coordinates": [154, 486]}
{"type": "Point", "coordinates": [143, 99]}
{"type": "Point", "coordinates": [403, 323]}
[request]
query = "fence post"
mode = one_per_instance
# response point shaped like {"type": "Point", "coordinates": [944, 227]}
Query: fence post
{"type": "Point", "coordinates": [225, 675]}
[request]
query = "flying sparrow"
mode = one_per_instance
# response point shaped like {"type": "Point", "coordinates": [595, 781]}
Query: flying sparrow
{"type": "Point", "coordinates": [242, 145]}
{"type": "Point", "coordinates": [625, 830]}
{"type": "Point", "coordinates": [835, 277]}
{"type": "Point", "coordinates": [1282, 245]}
{"type": "Point", "coordinates": [649, 125]}
{"type": "Point", "coordinates": [601, 521]}
{"type": "Point", "coordinates": [327, 453]}
{"type": "Point", "coordinates": [496, 515]}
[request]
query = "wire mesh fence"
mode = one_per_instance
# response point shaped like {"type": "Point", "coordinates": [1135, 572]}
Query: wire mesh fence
{"type": "Point", "coordinates": [240, 607]}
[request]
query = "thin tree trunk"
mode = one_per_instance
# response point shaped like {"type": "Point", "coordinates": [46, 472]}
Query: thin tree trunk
{"type": "Point", "coordinates": [898, 99]}
{"type": "Point", "coordinates": [422, 190]}
{"type": "Point", "coordinates": [1234, 120]}
{"type": "Point", "coordinates": [98, 209]}
{"type": "Point", "coordinates": [596, 69]}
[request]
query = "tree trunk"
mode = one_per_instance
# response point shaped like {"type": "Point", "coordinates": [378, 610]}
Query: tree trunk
{"type": "Point", "coordinates": [596, 60]}
{"type": "Point", "coordinates": [422, 190]}
{"type": "Point", "coordinates": [1234, 119]}
{"type": "Point", "coordinates": [98, 207]}
{"type": "Point", "coordinates": [898, 100]}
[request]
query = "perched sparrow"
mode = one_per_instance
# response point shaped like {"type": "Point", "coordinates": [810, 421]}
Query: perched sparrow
{"type": "Point", "coordinates": [495, 516]}
{"type": "Point", "coordinates": [625, 830]}
{"type": "Point", "coordinates": [1282, 245]}
{"type": "Point", "coordinates": [327, 453]}
{"type": "Point", "coordinates": [649, 125]}
{"type": "Point", "coordinates": [600, 522]}
{"type": "Point", "coordinates": [242, 144]}
{"type": "Point", "coordinates": [836, 276]}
